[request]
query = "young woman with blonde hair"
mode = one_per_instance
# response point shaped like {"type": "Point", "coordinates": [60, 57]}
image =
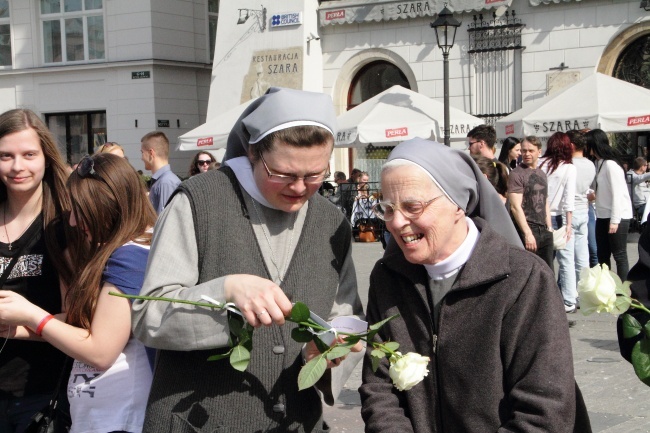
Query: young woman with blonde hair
{"type": "Point", "coordinates": [33, 202]}
{"type": "Point", "coordinates": [110, 378]}
{"type": "Point", "coordinates": [111, 147]}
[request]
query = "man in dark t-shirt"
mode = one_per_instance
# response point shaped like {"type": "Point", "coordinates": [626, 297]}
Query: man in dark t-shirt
{"type": "Point", "coordinates": [528, 194]}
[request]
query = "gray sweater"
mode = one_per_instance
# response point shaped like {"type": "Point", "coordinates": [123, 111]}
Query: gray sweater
{"type": "Point", "coordinates": [191, 394]}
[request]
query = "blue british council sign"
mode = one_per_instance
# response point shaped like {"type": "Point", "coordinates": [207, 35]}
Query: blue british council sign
{"type": "Point", "coordinates": [288, 19]}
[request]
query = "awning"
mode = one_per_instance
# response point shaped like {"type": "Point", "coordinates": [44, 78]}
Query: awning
{"type": "Point", "coordinates": [358, 11]}
{"type": "Point", "coordinates": [545, 2]}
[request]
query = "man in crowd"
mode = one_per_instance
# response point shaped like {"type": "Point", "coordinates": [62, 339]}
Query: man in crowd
{"type": "Point", "coordinates": [343, 198]}
{"type": "Point", "coordinates": [481, 141]}
{"type": "Point", "coordinates": [640, 188]}
{"type": "Point", "coordinates": [155, 155]}
{"type": "Point", "coordinates": [586, 172]}
{"type": "Point", "coordinates": [528, 194]}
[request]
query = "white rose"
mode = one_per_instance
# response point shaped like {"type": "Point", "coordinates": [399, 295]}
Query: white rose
{"type": "Point", "coordinates": [597, 289]}
{"type": "Point", "coordinates": [408, 370]}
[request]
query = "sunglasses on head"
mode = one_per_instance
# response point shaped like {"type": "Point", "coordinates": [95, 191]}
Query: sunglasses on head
{"type": "Point", "coordinates": [86, 167]}
{"type": "Point", "coordinates": [203, 162]}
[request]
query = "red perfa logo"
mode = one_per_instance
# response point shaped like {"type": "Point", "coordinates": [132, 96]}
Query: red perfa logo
{"type": "Point", "coordinates": [204, 141]}
{"type": "Point", "coordinates": [335, 15]}
{"type": "Point", "coordinates": [510, 129]}
{"type": "Point", "coordinates": [638, 120]}
{"type": "Point", "coordinates": [397, 132]}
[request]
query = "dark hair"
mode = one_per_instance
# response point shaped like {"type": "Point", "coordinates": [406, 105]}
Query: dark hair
{"type": "Point", "coordinates": [156, 140]}
{"type": "Point", "coordinates": [113, 206]}
{"type": "Point", "coordinates": [598, 145]}
{"type": "Point", "coordinates": [534, 140]}
{"type": "Point", "coordinates": [578, 139]}
{"type": "Point", "coordinates": [297, 136]}
{"type": "Point", "coordinates": [56, 203]}
{"type": "Point", "coordinates": [496, 172]}
{"type": "Point", "coordinates": [639, 162]}
{"type": "Point", "coordinates": [558, 150]}
{"type": "Point", "coordinates": [339, 175]}
{"type": "Point", "coordinates": [194, 169]}
{"type": "Point", "coordinates": [506, 147]}
{"type": "Point", "coordinates": [485, 133]}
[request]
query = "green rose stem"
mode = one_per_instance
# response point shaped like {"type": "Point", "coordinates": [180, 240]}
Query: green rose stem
{"type": "Point", "coordinates": [241, 339]}
{"type": "Point", "coordinates": [639, 306]}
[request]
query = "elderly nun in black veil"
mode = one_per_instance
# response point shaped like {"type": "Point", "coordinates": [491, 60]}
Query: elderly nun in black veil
{"type": "Point", "coordinates": [487, 313]}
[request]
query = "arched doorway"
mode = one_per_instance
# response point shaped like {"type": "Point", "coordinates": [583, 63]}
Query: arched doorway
{"type": "Point", "coordinates": [369, 81]}
{"type": "Point", "coordinates": [633, 66]}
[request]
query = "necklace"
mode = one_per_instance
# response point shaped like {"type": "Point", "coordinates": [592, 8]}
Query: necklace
{"type": "Point", "coordinates": [4, 222]}
{"type": "Point", "coordinates": [267, 236]}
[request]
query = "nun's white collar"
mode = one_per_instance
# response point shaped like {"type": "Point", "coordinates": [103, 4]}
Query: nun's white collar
{"type": "Point", "coordinates": [452, 264]}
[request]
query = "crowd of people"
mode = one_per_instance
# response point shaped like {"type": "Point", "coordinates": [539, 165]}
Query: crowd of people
{"type": "Point", "coordinates": [255, 233]}
{"type": "Point", "coordinates": [576, 189]}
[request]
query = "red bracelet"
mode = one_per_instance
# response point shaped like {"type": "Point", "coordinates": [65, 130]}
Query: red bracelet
{"type": "Point", "coordinates": [42, 323]}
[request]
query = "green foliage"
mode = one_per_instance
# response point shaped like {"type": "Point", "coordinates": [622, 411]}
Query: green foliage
{"type": "Point", "coordinates": [641, 360]}
{"type": "Point", "coordinates": [239, 358]}
{"type": "Point", "coordinates": [301, 335]}
{"type": "Point", "coordinates": [312, 372]}
{"type": "Point", "coordinates": [631, 326]}
{"type": "Point", "coordinates": [299, 313]}
{"type": "Point", "coordinates": [337, 352]}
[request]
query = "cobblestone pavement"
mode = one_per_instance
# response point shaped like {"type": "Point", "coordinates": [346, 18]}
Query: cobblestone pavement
{"type": "Point", "coordinates": [617, 401]}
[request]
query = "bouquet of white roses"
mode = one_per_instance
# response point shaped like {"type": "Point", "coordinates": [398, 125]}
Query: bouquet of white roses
{"type": "Point", "coordinates": [601, 290]}
{"type": "Point", "coordinates": [405, 371]}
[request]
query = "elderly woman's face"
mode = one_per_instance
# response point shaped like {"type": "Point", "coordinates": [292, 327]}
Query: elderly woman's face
{"type": "Point", "coordinates": [290, 160]}
{"type": "Point", "coordinates": [437, 232]}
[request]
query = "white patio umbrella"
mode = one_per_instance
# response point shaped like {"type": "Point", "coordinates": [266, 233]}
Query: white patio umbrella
{"type": "Point", "coordinates": [213, 134]}
{"type": "Point", "coordinates": [399, 114]}
{"type": "Point", "coordinates": [598, 101]}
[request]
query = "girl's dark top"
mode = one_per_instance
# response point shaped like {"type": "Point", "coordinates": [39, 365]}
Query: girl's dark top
{"type": "Point", "coordinates": [30, 367]}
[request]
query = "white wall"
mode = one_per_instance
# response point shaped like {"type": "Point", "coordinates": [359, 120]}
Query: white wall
{"type": "Point", "coordinates": [575, 33]}
{"type": "Point", "coordinates": [237, 43]}
{"type": "Point", "coordinates": [168, 38]}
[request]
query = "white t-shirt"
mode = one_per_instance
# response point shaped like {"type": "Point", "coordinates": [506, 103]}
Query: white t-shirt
{"type": "Point", "coordinates": [114, 399]}
{"type": "Point", "coordinates": [561, 187]}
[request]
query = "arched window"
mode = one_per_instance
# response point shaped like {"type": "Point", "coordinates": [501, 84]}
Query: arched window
{"type": "Point", "coordinates": [373, 79]}
{"type": "Point", "coordinates": [633, 66]}
{"type": "Point", "coordinates": [370, 81]}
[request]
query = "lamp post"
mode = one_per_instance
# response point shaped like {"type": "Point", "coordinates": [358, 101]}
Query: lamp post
{"type": "Point", "coordinates": [445, 27]}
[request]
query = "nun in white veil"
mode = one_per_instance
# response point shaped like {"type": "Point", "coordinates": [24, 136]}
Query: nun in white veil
{"type": "Point", "coordinates": [254, 233]}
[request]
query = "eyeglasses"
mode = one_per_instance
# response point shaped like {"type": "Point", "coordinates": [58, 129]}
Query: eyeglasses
{"type": "Point", "coordinates": [203, 162]}
{"type": "Point", "coordinates": [86, 167]}
{"type": "Point", "coordinates": [411, 209]}
{"type": "Point", "coordinates": [286, 179]}
{"type": "Point", "coordinates": [474, 142]}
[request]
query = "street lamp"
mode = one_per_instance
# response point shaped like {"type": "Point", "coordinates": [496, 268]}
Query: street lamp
{"type": "Point", "coordinates": [445, 27]}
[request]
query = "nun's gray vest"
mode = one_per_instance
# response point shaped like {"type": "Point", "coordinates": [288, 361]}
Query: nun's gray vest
{"type": "Point", "coordinates": [190, 394]}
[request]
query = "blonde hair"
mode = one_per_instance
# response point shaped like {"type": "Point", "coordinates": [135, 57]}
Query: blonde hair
{"type": "Point", "coordinates": [109, 147]}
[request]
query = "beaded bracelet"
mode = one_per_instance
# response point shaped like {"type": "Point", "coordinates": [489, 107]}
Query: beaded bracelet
{"type": "Point", "coordinates": [42, 323]}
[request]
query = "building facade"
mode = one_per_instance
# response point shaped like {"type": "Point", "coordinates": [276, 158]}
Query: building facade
{"type": "Point", "coordinates": [109, 70]}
